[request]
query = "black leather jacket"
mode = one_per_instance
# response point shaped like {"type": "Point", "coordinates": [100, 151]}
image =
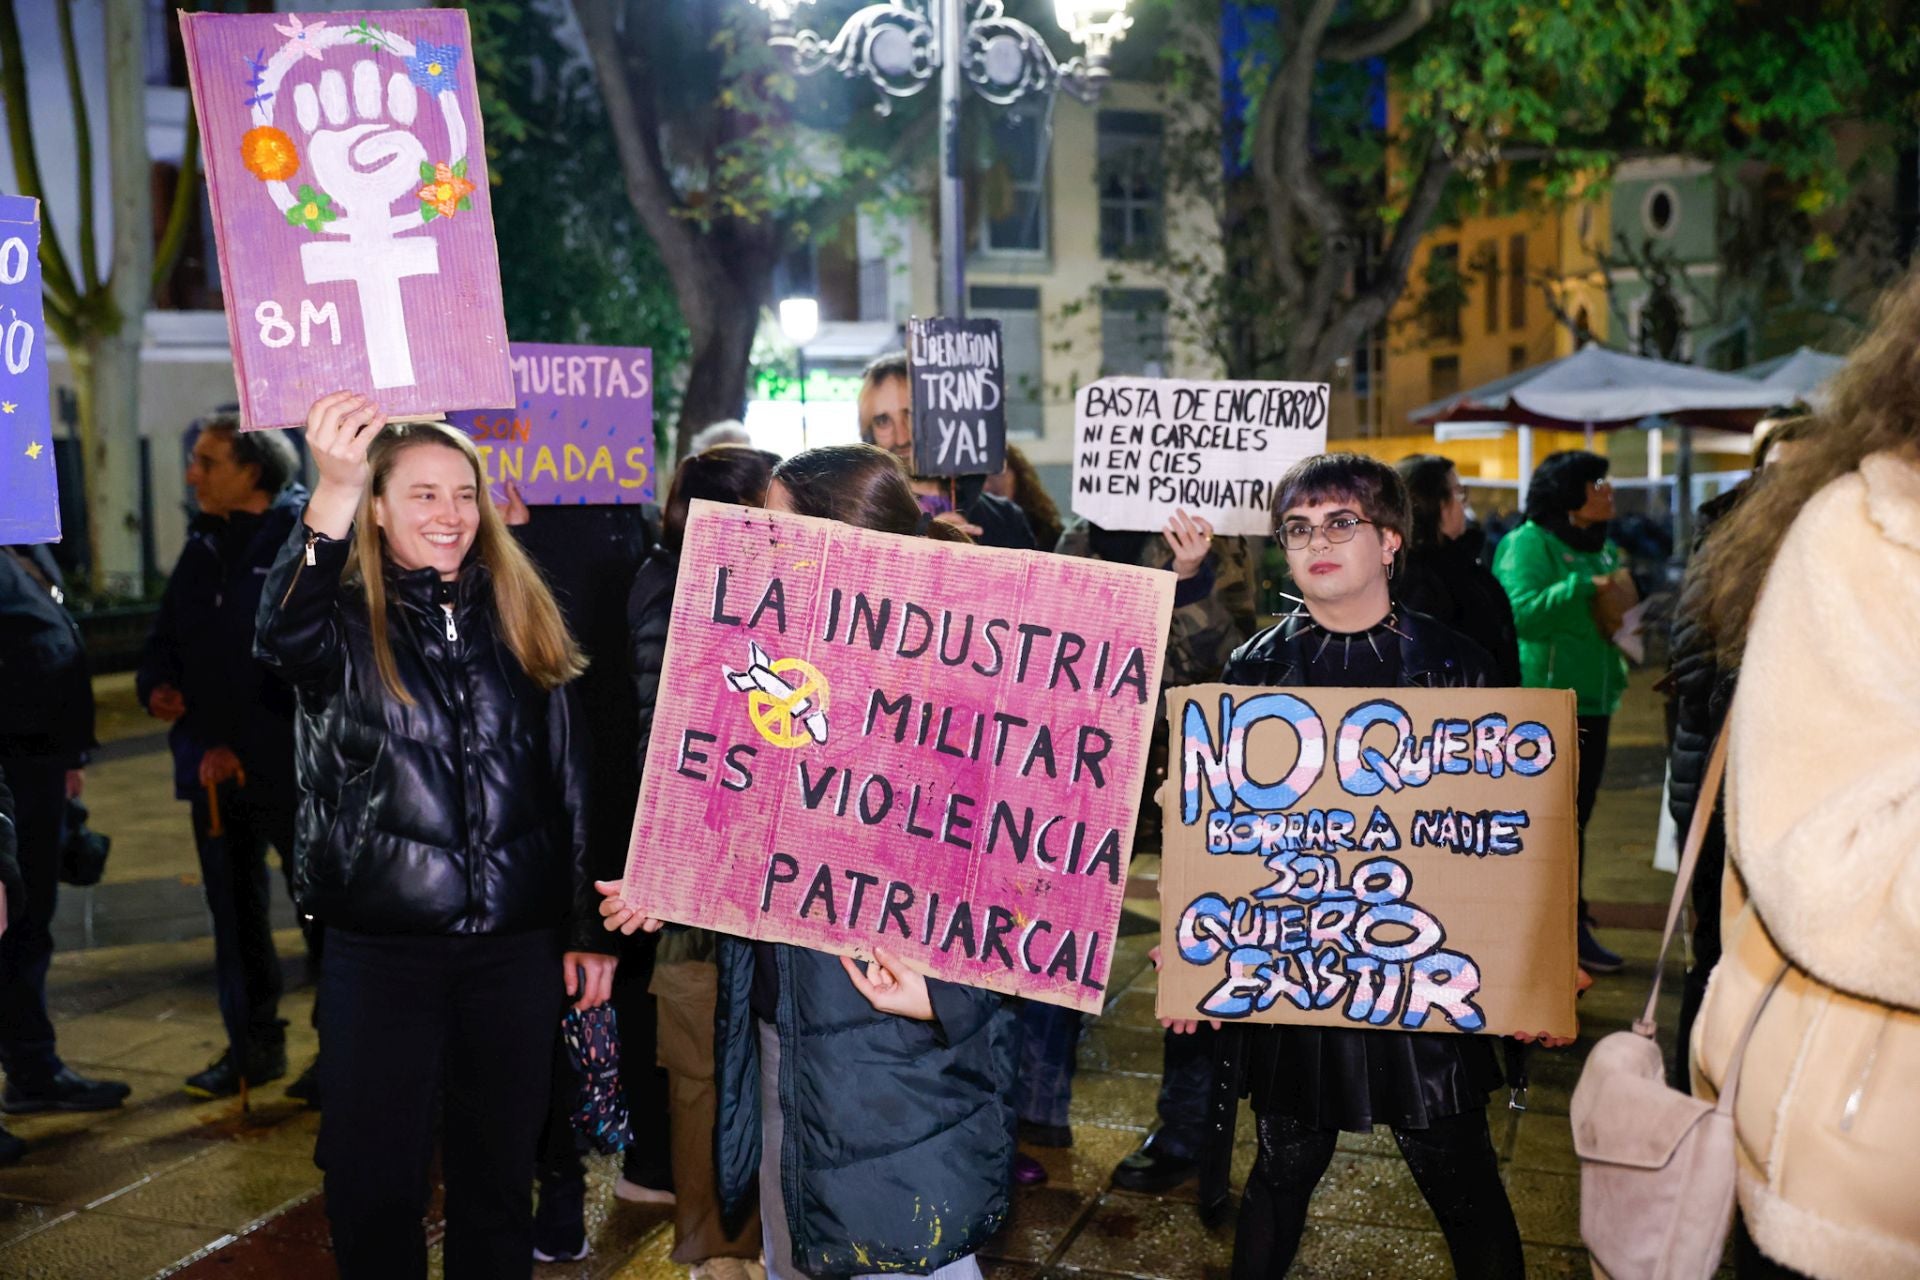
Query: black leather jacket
{"type": "Point", "coordinates": [1432, 655]}
{"type": "Point", "coordinates": [464, 813]}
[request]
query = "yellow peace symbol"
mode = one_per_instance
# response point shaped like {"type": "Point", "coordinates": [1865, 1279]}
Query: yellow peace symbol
{"type": "Point", "coordinates": [774, 717]}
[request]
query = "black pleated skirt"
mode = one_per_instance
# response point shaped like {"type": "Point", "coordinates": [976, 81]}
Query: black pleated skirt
{"type": "Point", "coordinates": [1332, 1078]}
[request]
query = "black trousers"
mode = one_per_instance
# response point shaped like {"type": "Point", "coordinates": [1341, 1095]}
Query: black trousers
{"type": "Point", "coordinates": [233, 870]}
{"type": "Point", "coordinates": [1186, 1080]}
{"type": "Point", "coordinates": [1593, 731]}
{"type": "Point", "coordinates": [1452, 1161]}
{"type": "Point", "coordinates": [39, 787]}
{"type": "Point", "coordinates": [426, 1034]}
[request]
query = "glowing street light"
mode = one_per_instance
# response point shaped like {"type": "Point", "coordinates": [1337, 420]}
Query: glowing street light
{"type": "Point", "coordinates": [900, 45]}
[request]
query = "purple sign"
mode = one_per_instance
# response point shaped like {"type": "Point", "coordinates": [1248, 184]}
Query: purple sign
{"type": "Point", "coordinates": [580, 431]}
{"type": "Point", "coordinates": [348, 176]}
{"type": "Point", "coordinates": [29, 496]}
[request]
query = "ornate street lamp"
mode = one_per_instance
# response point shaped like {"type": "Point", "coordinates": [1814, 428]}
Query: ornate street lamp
{"type": "Point", "coordinates": [900, 45]}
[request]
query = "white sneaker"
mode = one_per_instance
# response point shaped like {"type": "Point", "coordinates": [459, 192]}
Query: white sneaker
{"type": "Point", "coordinates": [727, 1269]}
{"type": "Point", "coordinates": [637, 1194]}
{"type": "Point", "coordinates": [540, 1256]}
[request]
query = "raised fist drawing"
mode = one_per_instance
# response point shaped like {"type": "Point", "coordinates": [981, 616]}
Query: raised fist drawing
{"type": "Point", "coordinates": [365, 165]}
{"type": "Point", "coordinates": [366, 157]}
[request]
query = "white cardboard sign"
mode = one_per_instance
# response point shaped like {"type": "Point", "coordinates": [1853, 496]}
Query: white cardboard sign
{"type": "Point", "coordinates": [1144, 447]}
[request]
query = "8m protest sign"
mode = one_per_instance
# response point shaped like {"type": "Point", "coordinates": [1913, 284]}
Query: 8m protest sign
{"type": "Point", "coordinates": [1422, 879]}
{"type": "Point", "coordinates": [866, 739]}
{"type": "Point", "coordinates": [1146, 447]}
{"type": "Point", "coordinates": [959, 397]}
{"type": "Point", "coordinates": [29, 493]}
{"type": "Point", "coordinates": [581, 431]}
{"type": "Point", "coordinates": [348, 177]}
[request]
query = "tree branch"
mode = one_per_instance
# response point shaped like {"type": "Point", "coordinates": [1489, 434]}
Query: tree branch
{"type": "Point", "coordinates": [56, 278]}
{"type": "Point", "coordinates": [1370, 307]}
{"type": "Point", "coordinates": [1370, 40]}
{"type": "Point", "coordinates": [82, 148]}
{"type": "Point", "coordinates": [636, 136]}
{"type": "Point", "coordinates": [180, 213]}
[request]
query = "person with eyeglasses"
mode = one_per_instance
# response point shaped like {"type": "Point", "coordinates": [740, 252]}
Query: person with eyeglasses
{"type": "Point", "coordinates": [1442, 574]}
{"type": "Point", "coordinates": [1570, 592]}
{"type": "Point", "coordinates": [1343, 521]}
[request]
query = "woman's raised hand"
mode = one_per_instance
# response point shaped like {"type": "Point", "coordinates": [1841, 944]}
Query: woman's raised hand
{"type": "Point", "coordinates": [617, 917]}
{"type": "Point", "coordinates": [890, 986]}
{"type": "Point", "coordinates": [340, 428]}
{"type": "Point", "coordinates": [1191, 538]}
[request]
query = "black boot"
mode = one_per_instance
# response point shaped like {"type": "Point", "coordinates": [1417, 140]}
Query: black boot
{"type": "Point", "coordinates": [65, 1090]}
{"type": "Point", "coordinates": [11, 1148]}
{"type": "Point", "coordinates": [306, 1088]}
{"type": "Point", "coordinates": [221, 1080]}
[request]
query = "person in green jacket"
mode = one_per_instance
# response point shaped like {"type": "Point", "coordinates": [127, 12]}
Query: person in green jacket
{"type": "Point", "coordinates": [1570, 591]}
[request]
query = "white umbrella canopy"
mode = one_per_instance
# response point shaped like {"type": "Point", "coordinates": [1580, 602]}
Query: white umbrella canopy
{"type": "Point", "coordinates": [1601, 388]}
{"type": "Point", "coordinates": [1803, 375]}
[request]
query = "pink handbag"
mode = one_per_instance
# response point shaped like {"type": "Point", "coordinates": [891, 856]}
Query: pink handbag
{"type": "Point", "coordinates": [1657, 1166]}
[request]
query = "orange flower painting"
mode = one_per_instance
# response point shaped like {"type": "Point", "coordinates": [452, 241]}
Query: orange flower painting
{"type": "Point", "coordinates": [446, 190]}
{"type": "Point", "coordinates": [269, 154]}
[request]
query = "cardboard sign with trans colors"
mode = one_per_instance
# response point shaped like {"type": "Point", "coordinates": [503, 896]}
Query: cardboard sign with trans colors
{"type": "Point", "coordinates": [1395, 859]}
{"type": "Point", "coordinates": [868, 739]}
{"type": "Point", "coordinates": [580, 431]}
{"type": "Point", "coordinates": [29, 492]}
{"type": "Point", "coordinates": [348, 178]}
{"type": "Point", "coordinates": [1147, 447]}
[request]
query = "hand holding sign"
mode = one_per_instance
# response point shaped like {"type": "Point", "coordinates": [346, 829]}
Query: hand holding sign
{"type": "Point", "coordinates": [1191, 539]}
{"type": "Point", "coordinates": [617, 917]}
{"type": "Point", "coordinates": [340, 429]}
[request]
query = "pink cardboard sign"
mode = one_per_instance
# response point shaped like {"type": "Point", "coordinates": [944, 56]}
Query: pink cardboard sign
{"type": "Point", "coordinates": [348, 177]}
{"type": "Point", "coordinates": [862, 738]}
{"type": "Point", "coordinates": [580, 431]}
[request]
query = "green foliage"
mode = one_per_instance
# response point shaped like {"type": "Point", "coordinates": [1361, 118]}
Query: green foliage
{"type": "Point", "coordinates": [574, 263]}
{"type": "Point", "coordinates": [1513, 103]}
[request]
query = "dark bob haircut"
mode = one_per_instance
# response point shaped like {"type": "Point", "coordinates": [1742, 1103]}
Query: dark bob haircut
{"type": "Point", "coordinates": [1559, 484]}
{"type": "Point", "coordinates": [1367, 483]}
{"type": "Point", "coordinates": [724, 473]}
{"type": "Point", "coordinates": [1429, 489]}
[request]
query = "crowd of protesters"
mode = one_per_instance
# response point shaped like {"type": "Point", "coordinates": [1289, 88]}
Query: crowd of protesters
{"type": "Point", "coordinates": [434, 705]}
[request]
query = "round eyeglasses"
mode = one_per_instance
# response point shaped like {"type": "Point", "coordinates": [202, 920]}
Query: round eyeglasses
{"type": "Point", "coordinates": [1296, 534]}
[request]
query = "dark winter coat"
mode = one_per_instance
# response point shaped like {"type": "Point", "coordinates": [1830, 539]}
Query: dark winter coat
{"type": "Point", "coordinates": [588, 556]}
{"type": "Point", "coordinates": [649, 610]}
{"type": "Point", "coordinates": [10, 879]}
{"type": "Point", "coordinates": [464, 813]}
{"type": "Point", "coordinates": [1447, 582]}
{"type": "Point", "coordinates": [47, 711]}
{"type": "Point", "coordinates": [202, 645]}
{"type": "Point", "coordinates": [1002, 522]}
{"type": "Point", "coordinates": [898, 1133]}
{"type": "Point", "coordinates": [1701, 690]}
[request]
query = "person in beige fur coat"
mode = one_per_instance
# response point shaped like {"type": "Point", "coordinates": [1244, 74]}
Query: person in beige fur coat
{"type": "Point", "coordinates": [1823, 882]}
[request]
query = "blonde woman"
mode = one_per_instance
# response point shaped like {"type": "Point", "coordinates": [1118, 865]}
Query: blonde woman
{"type": "Point", "coordinates": [441, 838]}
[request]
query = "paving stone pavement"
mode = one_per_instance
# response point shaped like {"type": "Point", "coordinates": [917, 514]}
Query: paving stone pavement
{"type": "Point", "coordinates": [171, 1186]}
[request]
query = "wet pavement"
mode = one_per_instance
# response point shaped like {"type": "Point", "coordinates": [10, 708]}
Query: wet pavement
{"type": "Point", "coordinates": [171, 1186]}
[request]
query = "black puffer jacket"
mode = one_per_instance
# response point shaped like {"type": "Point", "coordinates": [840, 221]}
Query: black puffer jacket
{"type": "Point", "coordinates": [464, 813]}
{"type": "Point", "coordinates": [900, 1132]}
{"type": "Point", "coordinates": [649, 612]}
{"type": "Point", "coordinates": [1702, 690]}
